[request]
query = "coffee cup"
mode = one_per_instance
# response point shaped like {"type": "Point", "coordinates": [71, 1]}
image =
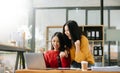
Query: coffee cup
{"type": "Point", "coordinates": [84, 65]}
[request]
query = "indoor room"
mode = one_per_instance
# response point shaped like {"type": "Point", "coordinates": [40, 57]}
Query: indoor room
{"type": "Point", "coordinates": [27, 26]}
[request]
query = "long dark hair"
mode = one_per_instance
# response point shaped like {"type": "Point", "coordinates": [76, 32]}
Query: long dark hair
{"type": "Point", "coordinates": [61, 41]}
{"type": "Point", "coordinates": [74, 32]}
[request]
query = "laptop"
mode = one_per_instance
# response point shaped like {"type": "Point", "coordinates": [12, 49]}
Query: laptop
{"type": "Point", "coordinates": [34, 61]}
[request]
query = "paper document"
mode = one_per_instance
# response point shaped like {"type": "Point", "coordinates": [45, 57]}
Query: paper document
{"type": "Point", "coordinates": [106, 68]}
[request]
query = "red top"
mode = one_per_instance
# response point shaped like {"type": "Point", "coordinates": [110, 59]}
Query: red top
{"type": "Point", "coordinates": [52, 61]}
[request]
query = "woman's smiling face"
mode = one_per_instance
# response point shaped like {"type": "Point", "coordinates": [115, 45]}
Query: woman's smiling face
{"type": "Point", "coordinates": [67, 33]}
{"type": "Point", "coordinates": [55, 43]}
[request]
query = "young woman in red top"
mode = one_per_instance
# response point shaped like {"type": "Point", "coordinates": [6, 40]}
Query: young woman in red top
{"type": "Point", "coordinates": [52, 57]}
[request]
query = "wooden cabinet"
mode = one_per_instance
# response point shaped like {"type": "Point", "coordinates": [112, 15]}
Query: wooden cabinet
{"type": "Point", "coordinates": [95, 35]}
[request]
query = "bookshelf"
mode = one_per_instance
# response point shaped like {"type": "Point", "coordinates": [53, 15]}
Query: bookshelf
{"type": "Point", "coordinates": [95, 35]}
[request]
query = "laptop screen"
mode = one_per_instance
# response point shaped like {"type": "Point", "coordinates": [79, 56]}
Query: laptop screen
{"type": "Point", "coordinates": [34, 61]}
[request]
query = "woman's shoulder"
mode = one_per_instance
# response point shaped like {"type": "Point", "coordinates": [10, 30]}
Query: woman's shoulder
{"type": "Point", "coordinates": [84, 37]}
{"type": "Point", "coordinates": [48, 52]}
{"type": "Point", "coordinates": [51, 51]}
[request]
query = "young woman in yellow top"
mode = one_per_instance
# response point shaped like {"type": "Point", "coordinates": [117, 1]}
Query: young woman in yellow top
{"type": "Point", "coordinates": [78, 44]}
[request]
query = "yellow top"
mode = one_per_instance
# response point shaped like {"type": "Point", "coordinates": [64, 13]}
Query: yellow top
{"type": "Point", "coordinates": [84, 54]}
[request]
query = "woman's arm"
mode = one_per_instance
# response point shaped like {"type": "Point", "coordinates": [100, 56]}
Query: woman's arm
{"type": "Point", "coordinates": [65, 62]}
{"type": "Point", "coordinates": [65, 58]}
{"type": "Point", "coordinates": [46, 60]}
{"type": "Point", "coordinates": [77, 46]}
{"type": "Point", "coordinates": [81, 49]}
{"type": "Point", "coordinates": [84, 54]}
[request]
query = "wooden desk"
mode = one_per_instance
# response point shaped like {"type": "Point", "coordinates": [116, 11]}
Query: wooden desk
{"type": "Point", "coordinates": [19, 51]}
{"type": "Point", "coordinates": [59, 71]}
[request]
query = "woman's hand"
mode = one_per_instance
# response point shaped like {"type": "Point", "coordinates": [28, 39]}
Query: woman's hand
{"type": "Point", "coordinates": [42, 50]}
{"type": "Point", "coordinates": [63, 54]}
{"type": "Point", "coordinates": [77, 42]}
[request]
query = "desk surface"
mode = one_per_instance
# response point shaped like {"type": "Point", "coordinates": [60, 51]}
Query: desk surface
{"type": "Point", "coordinates": [4, 47]}
{"type": "Point", "coordinates": [19, 50]}
{"type": "Point", "coordinates": [58, 71]}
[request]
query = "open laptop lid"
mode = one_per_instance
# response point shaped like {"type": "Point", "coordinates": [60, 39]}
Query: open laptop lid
{"type": "Point", "coordinates": [35, 61]}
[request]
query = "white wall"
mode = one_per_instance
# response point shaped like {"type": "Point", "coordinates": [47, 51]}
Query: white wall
{"type": "Point", "coordinates": [49, 17]}
{"type": "Point", "coordinates": [44, 18]}
{"type": "Point", "coordinates": [69, 3]}
{"type": "Point", "coordinates": [13, 14]}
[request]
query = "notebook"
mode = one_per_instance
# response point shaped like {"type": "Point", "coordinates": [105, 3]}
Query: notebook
{"type": "Point", "coordinates": [106, 68]}
{"type": "Point", "coordinates": [34, 61]}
